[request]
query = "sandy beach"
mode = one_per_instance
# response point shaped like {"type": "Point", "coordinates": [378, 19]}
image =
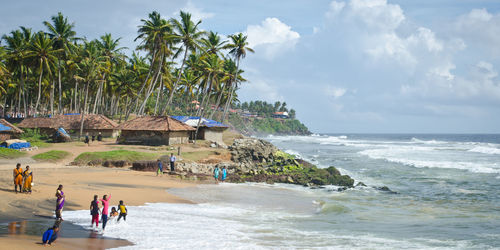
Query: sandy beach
{"type": "Point", "coordinates": [80, 184]}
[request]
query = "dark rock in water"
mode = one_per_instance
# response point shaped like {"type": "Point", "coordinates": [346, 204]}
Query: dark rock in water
{"type": "Point", "coordinates": [386, 189]}
{"type": "Point", "coordinates": [341, 189]}
{"type": "Point", "coordinates": [360, 184]}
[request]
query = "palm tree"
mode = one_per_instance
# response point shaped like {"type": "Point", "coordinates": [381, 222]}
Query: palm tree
{"type": "Point", "coordinates": [42, 53]}
{"type": "Point", "coordinates": [212, 44]}
{"type": "Point", "coordinates": [61, 31]}
{"type": "Point", "coordinates": [4, 72]}
{"type": "Point", "coordinates": [189, 35]}
{"type": "Point", "coordinates": [239, 48]}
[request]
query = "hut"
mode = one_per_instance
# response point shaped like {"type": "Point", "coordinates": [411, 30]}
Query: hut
{"type": "Point", "coordinates": [8, 131]}
{"type": "Point", "coordinates": [92, 124]}
{"type": "Point", "coordinates": [210, 130]}
{"type": "Point", "coordinates": [154, 130]}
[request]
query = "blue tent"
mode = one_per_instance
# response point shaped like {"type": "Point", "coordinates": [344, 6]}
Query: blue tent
{"type": "Point", "coordinates": [4, 128]}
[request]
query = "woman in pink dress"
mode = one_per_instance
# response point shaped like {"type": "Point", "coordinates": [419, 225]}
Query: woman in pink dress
{"type": "Point", "coordinates": [105, 204]}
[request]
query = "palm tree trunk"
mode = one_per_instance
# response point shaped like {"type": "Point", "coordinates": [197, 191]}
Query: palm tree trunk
{"type": "Point", "coordinates": [39, 87]}
{"type": "Point", "coordinates": [158, 95]}
{"type": "Point", "coordinates": [52, 98]}
{"type": "Point", "coordinates": [217, 103]}
{"type": "Point", "coordinates": [60, 90]}
{"type": "Point", "coordinates": [202, 110]}
{"type": "Point", "coordinates": [176, 80]}
{"type": "Point", "coordinates": [233, 84]}
{"type": "Point", "coordinates": [84, 109]}
{"type": "Point", "coordinates": [76, 96]}
{"type": "Point", "coordinates": [151, 88]}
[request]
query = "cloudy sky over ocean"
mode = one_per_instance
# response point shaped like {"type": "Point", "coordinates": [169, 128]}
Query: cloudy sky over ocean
{"type": "Point", "coordinates": [345, 66]}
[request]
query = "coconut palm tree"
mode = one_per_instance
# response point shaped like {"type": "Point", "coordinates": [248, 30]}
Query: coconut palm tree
{"type": "Point", "coordinates": [42, 54]}
{"type": "Point", "coordinates": [186, 31]}
{"type": "Point", "coordinates": [238, 49]}
{"type": "Point", "coordinates": [213, 44]}
{"type": "Point", "coordinates": [61, 31]}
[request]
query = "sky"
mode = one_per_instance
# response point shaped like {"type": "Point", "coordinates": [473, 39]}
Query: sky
{"type": "Point", "coordinates": [345, 66]}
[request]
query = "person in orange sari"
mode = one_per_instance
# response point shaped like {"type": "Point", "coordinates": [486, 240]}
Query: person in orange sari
{"type": "Point", "coordinates": [18, 177]}
{"type": "Point", "coordinates": [28, 179]}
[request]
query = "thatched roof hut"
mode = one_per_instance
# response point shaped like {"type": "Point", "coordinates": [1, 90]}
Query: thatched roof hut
{"type": "Point", "coordinates": [209, 130]}
{"type": "Point", "coordinates": [154, 130]}
{"type": "Point", "coordinates": [8, 131]}
{"type": "Point", "coordinates": [92, 124]}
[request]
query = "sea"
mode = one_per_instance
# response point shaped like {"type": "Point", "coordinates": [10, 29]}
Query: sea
{"type": "Point", "coordinates": [447, 197]}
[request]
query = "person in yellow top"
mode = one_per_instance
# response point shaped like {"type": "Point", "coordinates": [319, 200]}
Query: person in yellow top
{"type": "Point", "coordinates": [28, 180]}
{"type": "Point", "coordinates": [18, 177]}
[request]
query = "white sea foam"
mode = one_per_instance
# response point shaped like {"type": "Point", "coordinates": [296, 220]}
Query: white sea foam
{"type": "Point", "coordinates": [485, 150]}
{"type": "Point", "coordinates": [211, 226]}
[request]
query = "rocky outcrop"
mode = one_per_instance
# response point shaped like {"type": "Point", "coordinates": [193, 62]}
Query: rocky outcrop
{"type": "Point", "coordinates": [249, 151]}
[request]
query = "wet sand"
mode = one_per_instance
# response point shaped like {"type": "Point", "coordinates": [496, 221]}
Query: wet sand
{"type": "Point", "coordinates": [24, 217]}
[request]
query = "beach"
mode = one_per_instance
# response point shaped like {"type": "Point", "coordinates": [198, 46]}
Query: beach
{"type": "Point", "coordinates": [80, 184]}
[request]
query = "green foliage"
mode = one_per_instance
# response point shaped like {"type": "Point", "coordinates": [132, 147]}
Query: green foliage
{"type": "Point", "coordinates": [115, 155]}
{"type": "Point", "coordinates": [7, 153]}
{"type": "Point", "coordinates": [34, 137]}
{"type": "Point", "coordinates": [52, 155]}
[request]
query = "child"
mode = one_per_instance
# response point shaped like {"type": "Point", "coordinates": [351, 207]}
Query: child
{"type": "Point", "coordinates": [123, 211]}
{"type": "Point", "coordinates": [94, 211]}
{"type": "Point", "coordinates": [114, 213]}
{"type": "Point", "coordinates": [50, 235]}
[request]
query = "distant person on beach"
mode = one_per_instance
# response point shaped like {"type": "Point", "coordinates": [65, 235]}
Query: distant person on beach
{"type": "Point", "coordinates": [60, 202]}
{"type": "Point", "coordinates": [99, 137]}
{"type": "Point", "coordinates": [93, 137]}
{"type": "Point", "coordinates": [18, 177]}
{"type": "Point", "coordinates": [123, 211]}
{"type": "Point", "coordinates": [94, 211]}
{"type": "Point", "coordinates": [50, 236]}
{"type": "Point", "coordinates": [87, 141]}
{"type": "Point", "coordinates": [224, 174]}
{"type": "Point", "coordinates": [105, 205]}
{"type": "Point", "coordinates": [28, 180]}
{"type": "Point", "coordinates": [172, 162]}
{"type": "Point", "coordinates": [216, 174]}
{"type": "Point", "coordinates": [160, 167]}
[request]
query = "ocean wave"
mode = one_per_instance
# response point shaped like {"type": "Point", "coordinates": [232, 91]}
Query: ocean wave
{"type": "Point", "coordinates": [416, 140]}
{"type": "Point", "coordinates": [486, 150]}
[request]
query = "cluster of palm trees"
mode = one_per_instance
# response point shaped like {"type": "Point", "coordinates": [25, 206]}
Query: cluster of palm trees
{"type": "Point", "coordinates": [175, 64]}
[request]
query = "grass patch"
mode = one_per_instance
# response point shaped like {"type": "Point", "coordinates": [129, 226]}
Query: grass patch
{"type": "Point", "coordinates": [115, 155]}
{"type": "Point", "coordinates": [7, 153]}
{"type": "Point", "coordinates": [196, 155]}
{"type": "Point", "coordinates": [52, 155]}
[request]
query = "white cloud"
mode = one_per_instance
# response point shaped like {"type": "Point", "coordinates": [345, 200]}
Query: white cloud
{"type": "Point", "coordinates": [260, 89]}
{"type": "Point", "coordinates": [335, 92]}
{"type": "Point", "coordinates": [196, 12]}
{"type": "Point", "coordinates": [481, 27]}
{"type": "Point", "coordinates": [335, 8]}
{"type": "Point", "coordinates": [272, 37]}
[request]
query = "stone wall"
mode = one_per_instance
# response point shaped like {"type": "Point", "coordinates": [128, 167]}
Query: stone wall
{"type": "Point", "coordinates": [214, 135]}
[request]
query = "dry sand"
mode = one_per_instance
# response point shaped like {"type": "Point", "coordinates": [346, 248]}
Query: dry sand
{"type": "Point", "coordinates": [80, 184]}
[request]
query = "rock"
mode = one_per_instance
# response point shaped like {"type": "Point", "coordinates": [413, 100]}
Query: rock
{"type": "Point", "coordinates": [213, 145]}
{"type": "Point", "coordinates": [386, 189]}
{"type": "Point", "coordinates": [289, 179]}
{"type": "Point", "coordinates": [360, 184]}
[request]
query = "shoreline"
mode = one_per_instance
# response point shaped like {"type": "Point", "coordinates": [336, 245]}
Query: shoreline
{"type": "Point", "coordinates": [24, 217]}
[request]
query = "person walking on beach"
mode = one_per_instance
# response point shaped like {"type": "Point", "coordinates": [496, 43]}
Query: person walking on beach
{"type": "Point", "coordinates": [172, 162]}
{"type": "Point", "coordinates": [18, 177]}
{"type": "Point", "coordinates": [94, 211]}
{"type": "Point", "coordinates": [60, 202]}
{"type": "Point", "coordinates": [50, 236]}
{"type": "Point", "coordinates": [99, 137]}
{"type": "Point", "coordinates": [123, 211]}
{"type": "Point", "coordinates": [28, 180]}
{"type": "Point", "coordinates": [216, 174]}
{"type": "Point", "coordinates": [224, 174]}
{"type": "Point", "coordinates": [105, 205]}
{"type": "Point", "coordinates": [87, 140]}
{"type": "Point", "coordinates": [160, 167]}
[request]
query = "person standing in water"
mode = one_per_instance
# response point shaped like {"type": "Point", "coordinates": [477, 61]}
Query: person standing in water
{"type": "Point", "coordinates": [172, 162]}
{"type": "Point", "coordinates": [216, 174]}
{"type": "Point", "coordinates": [105, 205]}
{"type": "Point", "coordinates": [94, 211]}
{"type": "Point", "coordinates": [224, 174]}
{"type": "Point", "coordinates": [60, 202]}
{"type": "Point", "coordinates": [18, 177]}
{"type": "Point", "coordinates": [123, 211]}
{"type": "Point", "coordinates": [160, 167]}
{"type": "Point", "coordinates": [28, 180]}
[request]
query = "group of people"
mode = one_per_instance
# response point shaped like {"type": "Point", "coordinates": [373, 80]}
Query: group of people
{"type": "Point", "coordinates": [95, 210]}
{"type": "Point", "coordinates": [50, 235]}
{"type": "Point", "coordinates": [220, 172]}
{"type": "Point", "coordinates": [23, 179]}
{"type": "Point", "coordinates": [160, 165]}
{"type": "Point", "coordinates": [87, 138]}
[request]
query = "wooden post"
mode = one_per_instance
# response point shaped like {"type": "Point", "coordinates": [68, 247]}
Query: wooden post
{"type": "Point", "coordinates": [178, 150]}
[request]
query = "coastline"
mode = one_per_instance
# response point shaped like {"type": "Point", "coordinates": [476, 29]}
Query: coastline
{"type": "Point", "coordinates": [80, 184]}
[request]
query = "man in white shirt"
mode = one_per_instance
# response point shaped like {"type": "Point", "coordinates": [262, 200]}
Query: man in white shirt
{"type": "Point", "coordinates": [172, 162]}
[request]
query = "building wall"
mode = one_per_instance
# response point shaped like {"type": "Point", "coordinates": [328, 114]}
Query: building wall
{"type": "Point", "coordinates": [214, 134]}
{"type": "Point", "coordinates": [153, 137]}
{"type": "Point", "coordinates": [113, 133]}
{"type": "Point", "coordinates": [5, 136]}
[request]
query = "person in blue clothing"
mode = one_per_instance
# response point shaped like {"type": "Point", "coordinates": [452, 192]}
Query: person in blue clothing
{"type": "Point", "coordinates": [160, 167]}
{"type": "Point", "coordinates": [216, 174]}
{"type": "Point", "coordinates": [224, 174]}
{"type": "Point", "coordinates": [50, 235]}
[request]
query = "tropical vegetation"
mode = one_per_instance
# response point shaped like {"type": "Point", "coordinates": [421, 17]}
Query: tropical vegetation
{"type": "Point", "coordinates": [176, 66]}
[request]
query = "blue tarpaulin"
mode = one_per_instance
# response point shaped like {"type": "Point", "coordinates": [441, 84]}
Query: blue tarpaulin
{"type": "Point", "coordinates": [19, 145]}
{"type": "Point", "coordinates": [4, 128]}
{"type": "Point", "coordinates": [204, 121]}
{"type": "Point", "coordinates": [62, 131]}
